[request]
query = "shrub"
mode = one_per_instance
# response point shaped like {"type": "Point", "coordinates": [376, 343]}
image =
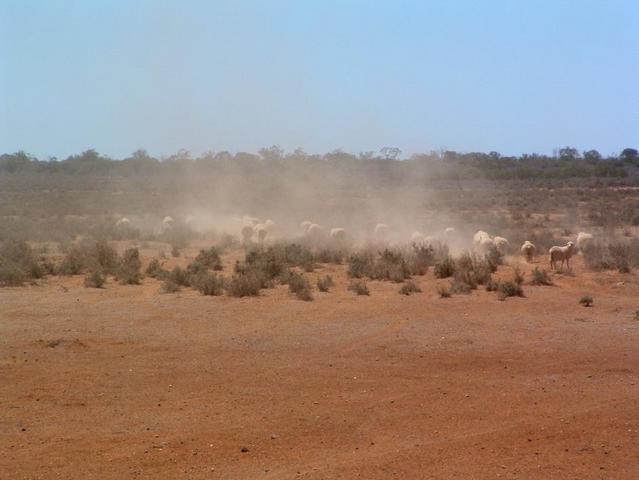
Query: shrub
{"type": "Point", "coordinates": [179, 276]}
{"type": "Point", "coordinates": [206, 259]}
{"type": "Point", "coordinates": [518, 277]}
{"type": "Point", "coordinates": [445, 268]}
{"type": "Point", "coordinates": [169, 286]}
{"type": "Point", "coordinates": [94, 279]}
{"type": "Point", "coordinates": [460, 286]}
{"type": "Point", "coordinates": [175, 251]}
{"type": "Point", "coordinates": [208, 283]}
{"type": "Point", "coordinates": [323, 284]}
{"type": "Point", "coordinates": [18, 263]}
{"type": "Point", "coordinates": [509, 289]}
{"type": "Point", "coordinates": [155, 270]}
{"type": "Point", "coordinates": [360, 265]}
{"type": "Point", "coordinates": [540, 277]}
{"type": "Point", "coordinates": [390, 265]}
{"type": "Point", "coordinates": [359, 287]}
{"type": "Point", "coordinates": [300, 286]}
{"type": "Point", "coordinates": [409, 287]}
{"type": "Point", "coordinates": [494, 258]}
{"type": "Point", "coordinates": [421, 257]}
{"type": "Point", "coordinates": [128, 271]}
{"type": "Point", "coordinates": [472, 270]}
{"type": "Point", "coordinates": [244, 284]}
{"type": "Point", "coordinates": [330, 255]}
{"type": "Point", "coordinates": [444, 291]}
{"type": "Point", "coordinates": [72, 263]}
{"type": "Point", "coordinates": [586, 301]}
{"type": "Point", "coordinates": [492, 285]}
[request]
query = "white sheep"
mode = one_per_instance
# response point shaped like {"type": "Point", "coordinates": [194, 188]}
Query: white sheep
{"type": "Point", "coordinates": [168, 221]}
{"type": "Point", "coordinates": [314, 232]}
{"type": "Point", "coordinates": [304, 226]}
{"type": "Point", "coordinates": [417, 238]}
{"type": "Point", "coordinates": [584, 240]}
{"type": "Point", "coordinates": [250, 221]}
{"type": "Point", "coordinates": [123, 222]}
{"type": "Point", "coordinates": [561, 253]}
{"type": "Point", "coordinates": [449, 233]}
{"type": "Point", "coordinates": [269, 224]}
{"type": "Point", "coordinates": [247, 233]}
{"type": "Point", "coordinates": [482, 241]}
{"type": "Point", "coordinates": [528, 250]}
{"type": "Point", "coordinates": [501, 244]}
{"type": "Point", "coordinates": [381, 233]}
{"type": "Point", "coordinates": [338, 235]}
{"type": "Point", "coordinates": [261, 232]}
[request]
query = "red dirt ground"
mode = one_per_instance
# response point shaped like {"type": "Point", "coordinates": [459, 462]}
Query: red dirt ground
{"type": "Point", "coordinates": [125, 382]}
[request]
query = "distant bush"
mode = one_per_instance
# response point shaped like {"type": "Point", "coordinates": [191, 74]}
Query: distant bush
{"type": "Point", "coordinates": [324, 283]}
{"type": "Point", "coordinates": [208, 283]}
{"type": "Point", "coordinates": [94, 279]}
{"type": "Point", "coordinates": [155, 270]}
{"type": "Point", "coordinates": [518, 277]}
{"type": "Point", "coordinates": [472, 270]}
{"type": "Point", "coordinates": [586, 301]}
{"type": "Point", "coordinates": [18, 263]}
{"type": "Point", "coordinates": [360, 264]}
{"type": "Point", "coordinates": [169, 286]}
{"type": "Point", "coordinates": [458, 285]}
{"type": "Point", "coordinates": [444, 268]}
{"type": "Point", "coordinates": [444, 291]}
{"type": "Point", "coordinates": [244, 285]}
{"type": "Point", "coordinates": [175, 251]}
{"type": "Point", "coordinates": [206, 260]}
{"type": "Point", "coordinates": [179, 276]}
{"type": "Point", "coordinates": [128, 271]}
{"type": "Point", "coordinates": [89, 256]}
{"type": "Point", "coordinates": [509, 289]}
{"type": "Point", "coordinates": [540, 277]}
{"type": "Point", "coordinates": [330, 255]}
{"type": "Point", "coordinates": [409, 287]}
{"type": "Point", "coordinates": [614, 256]}
{"type": "Point", "coordinates": [300, 286]}
{"type": "Point", "coordinates": [359, 287]}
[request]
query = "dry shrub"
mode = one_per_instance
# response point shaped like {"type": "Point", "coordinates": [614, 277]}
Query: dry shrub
{"type": "Point", "coordinates": [208, 283]}
{"type": "Point", "coordinates": [94, 279]}
{"type": "Point", "coordinates": [128, 271]}
{"type": "Point", "coordinates": [614, 256]}
{"type": "Point", "coordinates": [509, 289]}
{"type": "Point", "coordinates": [586, 301]}
{"type": "Point", "coordinates": [540, 277]}
{"type": "Point", "coordinates": [18, 263]}
{"type": "Point", "coordinates": [155, 270]}
{"type": "Point", "coordinates": [359, 287]}
{"type": "Point", "coordinates": [206, 260]}
{"type": "Point", "coordinates": [169, 286]}
{"type": "Point", "coordinates": [245, 284]}
{"type": "Point", "coordinates": [444, 291]}
{"type": "Point", "coordinates": [324, 284]}
{"type": "Point", "coordinates": [409, 287]}
{"type": "Point", "coordinates": [300, 286]}
{"type": "Point", "coordinates": [444, 268]}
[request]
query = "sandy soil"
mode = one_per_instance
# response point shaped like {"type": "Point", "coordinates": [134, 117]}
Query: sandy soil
{"type": "Point", "coordinates": [125, 382]}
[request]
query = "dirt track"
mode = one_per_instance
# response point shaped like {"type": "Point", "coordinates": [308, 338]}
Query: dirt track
{"type": "Point", "coordinates": [125, 382]}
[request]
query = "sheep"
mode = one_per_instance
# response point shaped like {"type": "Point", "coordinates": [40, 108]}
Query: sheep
{"type": "Point", "coordinates": [381, 232]}
{"type": "Point", "coordinates": [477, 238]}
{"type": "Point", "coordinates": [250, 221]}
{"type": "Point", "coordinates": [123, 222]}
{"type": "Point", "coordinates": [168, 221]}
{"type": "Point", "coordinates": [247, 233]}
{"type": "Point", "coordinates": [338, 235]}
{"type": "Point", "coordinates": [304, 226]}
{"type": "Point", "coordinates": [261, 232]}
{"type": "Point", "coordinates": [561, 253]}
{"type": "Point", "coordinates": [501, 244]}
{"type": "Point", "coordinates": [528, 250]}
{"type": "Point", "coordinates": [314, 232]}
{"type": "Point", "coordinates": [584, 240]}
{"type": "Point", "coordinates": [482, 241]}
{"type": "Point", "coordinates": [417, 238]}
{"type": "Point", "coordinates": [269, 224]}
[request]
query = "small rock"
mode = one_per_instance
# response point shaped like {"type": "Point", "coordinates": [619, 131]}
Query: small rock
{"type": "Point", "coordinates": [244, 450]}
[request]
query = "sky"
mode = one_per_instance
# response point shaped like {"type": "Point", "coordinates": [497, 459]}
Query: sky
{"type": "Point", "coordinates": [357, 75]}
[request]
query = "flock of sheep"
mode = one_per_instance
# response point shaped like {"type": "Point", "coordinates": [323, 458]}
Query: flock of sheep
{"type": "Point", "coordinates": [254, 230]}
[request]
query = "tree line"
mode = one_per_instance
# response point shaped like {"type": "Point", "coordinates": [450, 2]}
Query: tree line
{"type": "Point", "coordinates": [566, 162]}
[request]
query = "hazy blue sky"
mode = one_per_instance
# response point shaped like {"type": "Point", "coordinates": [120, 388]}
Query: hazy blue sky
{"type": "Point", "coordinates": [513, 76]}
